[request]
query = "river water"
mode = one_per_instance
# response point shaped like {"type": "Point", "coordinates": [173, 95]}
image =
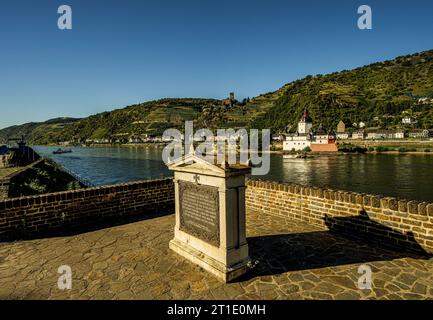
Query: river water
{"type": "Point", "coordinates": [406, 176]}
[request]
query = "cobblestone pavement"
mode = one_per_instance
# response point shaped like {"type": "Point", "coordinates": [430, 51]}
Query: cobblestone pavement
{"type": "Point", "coordinates": [133, 261]}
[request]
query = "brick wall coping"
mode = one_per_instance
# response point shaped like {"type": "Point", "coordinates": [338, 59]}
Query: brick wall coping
{"type": "Point", "coordinates": [80, 193]}
{"type": "Point", "coordinates": [365, 200]}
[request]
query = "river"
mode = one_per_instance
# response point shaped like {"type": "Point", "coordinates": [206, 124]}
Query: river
{"type": "Point", "coordinates": [408, 176]}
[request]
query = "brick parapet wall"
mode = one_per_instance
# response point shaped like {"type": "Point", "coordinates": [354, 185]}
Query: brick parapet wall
{"type": "Point", "coordinates": [396, 222]}
{"type": "Point", "coordinates": [26, 216]}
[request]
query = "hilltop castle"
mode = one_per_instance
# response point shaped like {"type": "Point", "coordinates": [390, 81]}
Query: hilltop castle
{"type": "Point", "coordinates": [230, 101]}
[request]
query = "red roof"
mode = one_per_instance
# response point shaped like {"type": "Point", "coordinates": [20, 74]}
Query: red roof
{"type": "Point", "coordinates": [330, 147]}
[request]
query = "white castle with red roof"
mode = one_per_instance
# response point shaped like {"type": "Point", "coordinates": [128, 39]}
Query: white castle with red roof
{"type": "Point", "coordinates": [318, 141]}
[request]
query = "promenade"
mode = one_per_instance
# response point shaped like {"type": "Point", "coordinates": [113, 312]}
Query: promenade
{"type": "Point", "coordinates": [133, 261]}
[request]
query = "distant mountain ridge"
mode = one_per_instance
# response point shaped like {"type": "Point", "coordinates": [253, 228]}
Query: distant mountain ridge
{"type": "Point", "coordinates": [379, 94]}
{"type": "Point", "coordinates": [41, 132]}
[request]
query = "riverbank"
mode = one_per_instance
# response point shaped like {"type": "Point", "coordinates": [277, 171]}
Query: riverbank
{"type": "Point", "coordinates": [395, 143]}
{"type": "Point", "coordinates": [277, 150]}
{"type": "Point", "coordinates": [401, 153]}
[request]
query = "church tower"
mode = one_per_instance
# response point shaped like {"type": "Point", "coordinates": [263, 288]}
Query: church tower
{"type": "Point", "coordinates": [305, 124]}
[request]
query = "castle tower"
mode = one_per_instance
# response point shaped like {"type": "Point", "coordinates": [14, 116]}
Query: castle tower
{"type": "Point", "coordinates": [305, 124]}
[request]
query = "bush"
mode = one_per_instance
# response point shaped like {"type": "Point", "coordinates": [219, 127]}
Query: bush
{"type": "Point", "coordinates": [371, 149]}
{"type": "Point", "coordinates": [353, 149]}
{"type": "Point", "coordinates": [381, 149]}
{"type": "Point", "coordinates": [402, 150]}
{"type": "Point", "coordinates": [427, 150]}
{"type": "Point", "coordinates": [307, 149]}
{"type": "Point", "coordinates": [360, 150]}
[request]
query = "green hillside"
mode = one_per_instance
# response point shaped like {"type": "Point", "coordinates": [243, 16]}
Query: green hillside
{"type": "Point", "coordinates": [384, 90]}
{"type": "Point", "coordinates": [146, 118]}
{"type": "Point", "coordinates": [42, 132]}
{"type": "Point", "coordinates": [379, 94]}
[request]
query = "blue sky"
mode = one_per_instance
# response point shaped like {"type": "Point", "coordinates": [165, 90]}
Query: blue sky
{"type": "Point", "coordinates": [124, 52]}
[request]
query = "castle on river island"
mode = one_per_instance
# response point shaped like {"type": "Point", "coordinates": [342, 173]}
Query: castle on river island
{"type": "Point", "coordinates": [305, 137]}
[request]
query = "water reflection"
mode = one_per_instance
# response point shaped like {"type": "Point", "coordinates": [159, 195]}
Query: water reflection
{"type": "Point", "coordinates": [404, 176]}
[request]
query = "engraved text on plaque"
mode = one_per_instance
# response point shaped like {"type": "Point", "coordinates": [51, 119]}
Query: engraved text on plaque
{"type": "Point", "coordinates": [199, 211]}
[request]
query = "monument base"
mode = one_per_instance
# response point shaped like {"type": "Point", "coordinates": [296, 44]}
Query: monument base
{"type": "Point", "coordinates": [217, 268]}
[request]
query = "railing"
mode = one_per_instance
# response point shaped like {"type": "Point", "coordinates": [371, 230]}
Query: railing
{"type": "Point", "coordinates": [82, 180]}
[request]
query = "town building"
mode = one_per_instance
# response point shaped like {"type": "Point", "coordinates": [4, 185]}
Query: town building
{"type": "Point", "coordinates": [420, 133]}
{"type": "Point", "coordinates": [341, 131]}
{"type": "Point", "coordinates": [408, 120]}
{"type": "Point", "coordinates": [341, 127]}
{"type": "Point", "coordinates": [371, 135]}
{"type": "Point", "coordinates": [399, 134]}
{"type": "Point", "coordinates": [380, 134]}
{"type": "Point", "coordinates": [358, 135]}
{"type": "Point", "coordinates": [278, 137]}
{"type": "Point", "coordinates": [386, 134]}
{"type": "Point", "coordinates": [358, 125]}
{"type": "Point", "coordinates": [343, 135]}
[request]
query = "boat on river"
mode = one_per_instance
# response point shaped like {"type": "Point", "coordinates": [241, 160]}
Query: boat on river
{"type": "Point", "coordinates": [60, 151]}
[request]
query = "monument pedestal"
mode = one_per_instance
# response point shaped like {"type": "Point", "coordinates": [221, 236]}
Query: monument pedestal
{"type": "Point", "coordinates": [210, 216]}
{"type": "Point", "coordinates": [219, 269]}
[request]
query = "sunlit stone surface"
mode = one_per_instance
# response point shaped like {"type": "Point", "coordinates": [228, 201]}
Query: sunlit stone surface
{"type": "Point", "coordinates": [133, 261]}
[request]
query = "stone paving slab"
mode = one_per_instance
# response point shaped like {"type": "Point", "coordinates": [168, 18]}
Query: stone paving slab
{"type": "Point", "coordinates": [133, 261]}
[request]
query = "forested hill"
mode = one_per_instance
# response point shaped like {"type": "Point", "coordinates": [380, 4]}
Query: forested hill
{"type": "Point", "coordinates": [379, 94]}
{"type": "Point", "coordinates": [383, 89]}
{"type": "Point", "coordinates": [41, 132]}
{"type": "Point", "coordinates": [145, 118]}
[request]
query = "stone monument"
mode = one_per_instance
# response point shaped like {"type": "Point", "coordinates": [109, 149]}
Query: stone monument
{"type": "Point", "coordinates": [210, 215]}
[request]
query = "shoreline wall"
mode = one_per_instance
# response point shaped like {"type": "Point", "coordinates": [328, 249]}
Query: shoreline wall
{"type": "Point", "coordinates": [49, 213]}
{"type": "Point", "coordinates": [393, 222]}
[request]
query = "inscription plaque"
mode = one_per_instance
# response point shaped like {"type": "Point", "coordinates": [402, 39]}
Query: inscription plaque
{"type": "Point", "coordinates": [199, 211]}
